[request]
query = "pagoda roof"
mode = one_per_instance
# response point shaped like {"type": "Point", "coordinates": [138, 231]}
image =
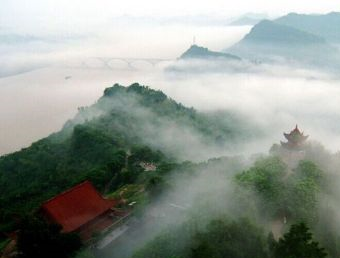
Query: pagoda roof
{"type": "Point", "coordinates": [295, 136]}
{"type": "Point", "coordinates": [77, 206]}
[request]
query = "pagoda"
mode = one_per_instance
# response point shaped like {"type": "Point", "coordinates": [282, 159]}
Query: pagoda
{"type": "Point", "coordinates": [295, 139]}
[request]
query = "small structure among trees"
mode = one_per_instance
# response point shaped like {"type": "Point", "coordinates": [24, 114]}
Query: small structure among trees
{"type": "Point", "coordinates": [293, 150]}
{"type": "Point", "coordinates": [148, 166]}
{"type": "Point", "coordinates": [295, 139]}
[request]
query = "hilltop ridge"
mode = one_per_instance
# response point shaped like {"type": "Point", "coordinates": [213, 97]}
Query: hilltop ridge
{"type": "Point", "coordinates": [93, 146]}
{"type": "Point", "coordinates": [271, 41]}
{"type": "Point", "coordinates": [197, 52]}
{"type": "Point", "coordinates": [323, 25]}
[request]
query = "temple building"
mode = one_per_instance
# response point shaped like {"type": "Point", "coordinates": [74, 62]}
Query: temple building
{"type": "Point", "coordinates": [81, 209]}
{"type": "Point", "coordinates": [295, 140]}
{"type": "Point", "coordinates": [293, 150]}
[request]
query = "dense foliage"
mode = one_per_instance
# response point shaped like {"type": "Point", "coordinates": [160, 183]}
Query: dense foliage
{"type": "Point", "coordinates": [298, 243]}
{"type": "Point", "coordinates": [270, 193]}
{"type": "Point", "coordinates": [104, 143]}
{"type": "Point", "coordinates": [284, 192]}
{"type": "Point", "coordinates": [219, 239]}
{"type": "Point", "coordinates": [237, 239]}
{"type": "Point", "coordinates": [39, 239]}
{"type": "Point", "coordinates": [109, 142]}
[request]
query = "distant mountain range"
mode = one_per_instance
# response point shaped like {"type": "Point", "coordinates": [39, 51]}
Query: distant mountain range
{"type": "Point", "coordinates": [276, 33]}
{"type": "Point", "coordinates": [308, 40]}
{"type": "Point", "coordinates": [248, 19]}
{"type": "Point", "coordinates": [270, 40]}
{"type": "Point", "coordinates": [245, 21]}
{"type": "Point", "coordinates": [326, 26]}
{"type": "Point", "coordinates": [197, 52]}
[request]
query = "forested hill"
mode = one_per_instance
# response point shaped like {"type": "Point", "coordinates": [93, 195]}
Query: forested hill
{"type": "Point", "coordinates": [136, 121]}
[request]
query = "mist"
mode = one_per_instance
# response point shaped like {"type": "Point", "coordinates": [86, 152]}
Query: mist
{"type": "Point", "coordinates": [203, 192]}
{"type": "Point", "coordinates": [34, 89]}
{"type": "Point", "coordinates": [270, 98]}
{"type": "Point", "coordinates": [57, 59]}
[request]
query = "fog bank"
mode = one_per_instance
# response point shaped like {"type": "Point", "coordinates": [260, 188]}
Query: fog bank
{"type": "Point", "coordinates": [70, 73]}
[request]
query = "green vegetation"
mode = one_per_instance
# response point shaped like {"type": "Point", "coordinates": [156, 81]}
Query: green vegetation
{"type": "Point", "coordinates": [3, 244]}
{"type": "Point", "coordinates": [298, 243]}
{"type": "Point", "coordinates": [284, 193]}
{"type": "Point", "coordinates": [237, 239]}
{"type": "Point", "coordinates": [218, 239]}
{"type": "Point", "coordinates": [109, 144]}
{"type": "Point", "coordinates": [105, 143]}
{"type": "Point", "coordinates": [84, 254]}
{"type": "Point", "coordinates": [38, 239]}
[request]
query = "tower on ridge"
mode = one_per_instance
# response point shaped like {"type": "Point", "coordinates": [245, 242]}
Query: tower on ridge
{"type": "Point", "coordinates": [295, 139]}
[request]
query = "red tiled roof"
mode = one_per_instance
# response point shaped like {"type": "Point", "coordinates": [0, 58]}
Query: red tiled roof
{"type": "Point", "coordinates": [76, 206]}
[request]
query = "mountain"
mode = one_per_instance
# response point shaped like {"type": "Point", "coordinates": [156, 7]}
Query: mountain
{"type": "Point", "coordinates": [269, 40]}
{"type": "Point", "coordinates": [249, 19]}
{"type": "Point", "coordinates": [197, 52]}
{"type": "Point", "coordinates": [132, 123]}
{"type": "Point", "coordinates": [326, 26]}
{"type": "Point", "coordinates": [199, 60]}
{"type": "Point", "coordinates": [268, 31]}
{"type": "Point", "coordinates": [245, 21]}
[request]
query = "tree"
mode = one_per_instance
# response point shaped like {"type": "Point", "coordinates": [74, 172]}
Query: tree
{"type": "Point", "coordinates": [298, 243]}
{"type": "Point", "coordinates": [223, 239]}
{"type": "Point", "coordinates": [266, 178]}
{"type": "Point", "coordinates": [304, 186]}
{"type": "Point", "coordinates": [39, 239]}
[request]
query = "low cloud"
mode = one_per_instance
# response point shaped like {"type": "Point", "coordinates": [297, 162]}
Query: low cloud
{"type": "Point", "coordinates": [272, 98]}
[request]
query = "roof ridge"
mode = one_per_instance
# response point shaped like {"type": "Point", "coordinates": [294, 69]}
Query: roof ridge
{"type": "Point", "coordinates": [71, 190]}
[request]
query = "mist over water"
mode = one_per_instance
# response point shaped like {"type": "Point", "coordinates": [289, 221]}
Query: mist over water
{"type": "Point", "coordinates": [38, 103]}
{"type": "Point", "coordinates": [44, 79]}
{"type": "Point", "coordinates": [66, 74]}
{"type": "Point", "coordinates": [47, 77]}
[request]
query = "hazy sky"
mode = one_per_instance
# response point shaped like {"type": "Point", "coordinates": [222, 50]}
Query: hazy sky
{"type": "Point", "coordinates": [54, 14]}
